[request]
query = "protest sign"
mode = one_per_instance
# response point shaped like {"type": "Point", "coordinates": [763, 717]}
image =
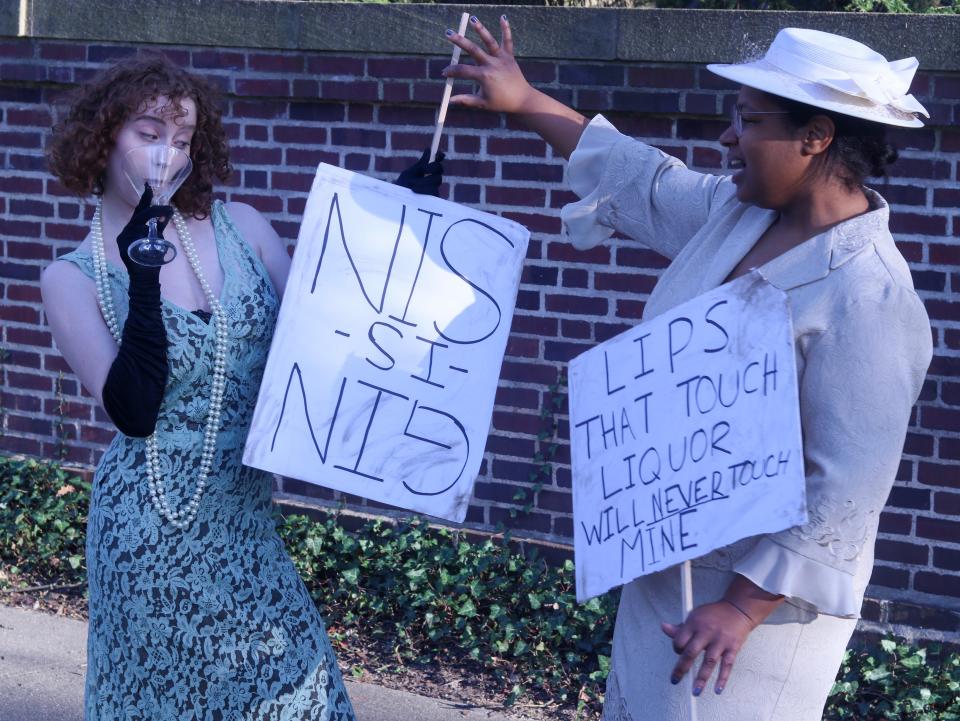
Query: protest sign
{"type": "Point", "coordinates": [685, 435]}
{"type": "Point", "coordinates": [385, 360]}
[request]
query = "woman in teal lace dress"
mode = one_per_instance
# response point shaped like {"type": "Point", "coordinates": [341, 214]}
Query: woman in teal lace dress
{"type": "Point", "coordinates": [196, 612]}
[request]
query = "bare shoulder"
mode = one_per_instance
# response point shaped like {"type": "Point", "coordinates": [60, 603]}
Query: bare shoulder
{"type": "Point", "coordinates": [255, 228]}
{"type": "Point", "coordinates": [265, 241]}
{"type": "Point", "coordinates": [62, 279]}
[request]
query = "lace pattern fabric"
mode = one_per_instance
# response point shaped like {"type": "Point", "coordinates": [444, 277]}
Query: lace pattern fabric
{"type": "Point", "coordinates": [211, 622]}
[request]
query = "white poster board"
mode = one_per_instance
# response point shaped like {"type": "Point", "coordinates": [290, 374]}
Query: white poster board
{"type": "Point", "coordinates": [385, 360]}
{"type": "Point", "coordinates": [685, 435]}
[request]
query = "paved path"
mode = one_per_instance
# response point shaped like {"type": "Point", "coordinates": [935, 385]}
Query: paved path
{"type": "Point", "coordinates": [43, 660]}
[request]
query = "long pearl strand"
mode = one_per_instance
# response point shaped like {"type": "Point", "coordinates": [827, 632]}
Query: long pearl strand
{"type": "Point", "coordinates": [184, 516]}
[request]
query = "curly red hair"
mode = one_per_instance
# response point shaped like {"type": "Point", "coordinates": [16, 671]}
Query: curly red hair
{"type": "Point", "coordinates": [82, 141]}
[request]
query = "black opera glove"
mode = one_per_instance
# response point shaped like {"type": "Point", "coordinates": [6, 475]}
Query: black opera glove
{"type": "Point", "coordinates": [423, 177]}
{"type": "Point", "coordinates": [136, 228]}
{"type": "Point", "coordinates": [133, 391]}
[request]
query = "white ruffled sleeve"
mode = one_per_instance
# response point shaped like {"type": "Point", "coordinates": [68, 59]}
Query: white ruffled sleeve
{"type": "Point", "coordinates": [628, 186]}
{"type": "Point", "coordinates": [862, 374]}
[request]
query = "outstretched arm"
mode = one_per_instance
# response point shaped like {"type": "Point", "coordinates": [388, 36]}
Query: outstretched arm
{"type": "Point", "coordinates": [504, 89]}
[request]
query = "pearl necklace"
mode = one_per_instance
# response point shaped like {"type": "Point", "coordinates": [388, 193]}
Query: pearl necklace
{"type": "Point", "coordinates": [183, 517]}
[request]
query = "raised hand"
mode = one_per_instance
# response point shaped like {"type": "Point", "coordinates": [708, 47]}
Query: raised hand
{"type": "Point", "coordinates": [503, 89]}
{"type": "Point", "coordinates": [502, 85]}
{"type": "Point", "coordinates": [136, 228]}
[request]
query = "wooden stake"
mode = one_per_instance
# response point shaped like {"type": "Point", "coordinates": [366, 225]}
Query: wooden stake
{"type": "Point", "coordinates": [686, 599]}
{"type": "Point", "coordinates": [447, 90]}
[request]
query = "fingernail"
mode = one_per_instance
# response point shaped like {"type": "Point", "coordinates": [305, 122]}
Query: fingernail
{"type": "Point", "coordinates": [503, 17]}
{"type": "Point", "coordinates": [674, 680]}
{"type": "Point", "coordinates": [473, 19]}
{"type": "Point", "coordinates": [697, 690]}
{"type": "Point", "coordinates": [449, 32]}
{"type": "Point", "coordinates": [718, 690]}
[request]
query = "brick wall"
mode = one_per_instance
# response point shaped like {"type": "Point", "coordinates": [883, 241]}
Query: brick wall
{"type": "Point", "coordinates": [287, 111]}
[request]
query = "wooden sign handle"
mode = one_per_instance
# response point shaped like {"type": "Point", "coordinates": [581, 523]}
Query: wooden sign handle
{"type": "Point", "coordinates": [447, 90]}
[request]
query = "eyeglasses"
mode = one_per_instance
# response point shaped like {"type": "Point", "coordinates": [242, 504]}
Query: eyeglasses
{"type": "Point", "coordinates": [736, 117]}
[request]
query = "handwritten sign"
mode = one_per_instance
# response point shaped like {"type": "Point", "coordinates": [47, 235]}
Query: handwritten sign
{"type": "Point", "coordinates": [685, 435]}
{"type": "Point", "coordinates": [384, 364]}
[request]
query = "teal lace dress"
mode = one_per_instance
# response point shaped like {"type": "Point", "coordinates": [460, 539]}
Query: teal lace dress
{"type": "Point", "coordinates": [210, 623]}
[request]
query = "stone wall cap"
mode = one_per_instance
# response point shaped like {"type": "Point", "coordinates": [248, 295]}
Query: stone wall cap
{"type": "Point", "coordinates": [601, 34]}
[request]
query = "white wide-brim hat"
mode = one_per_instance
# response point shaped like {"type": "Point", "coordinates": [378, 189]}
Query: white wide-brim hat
{"type": "Point", "coordinates": [834, 73]}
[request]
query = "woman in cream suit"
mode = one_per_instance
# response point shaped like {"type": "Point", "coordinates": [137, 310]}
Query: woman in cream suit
{"type": "Point", "coordinates": [773, 614]}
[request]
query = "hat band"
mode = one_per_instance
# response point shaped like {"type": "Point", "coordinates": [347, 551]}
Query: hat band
{"type": "Point", "coordinates": [875, 80]}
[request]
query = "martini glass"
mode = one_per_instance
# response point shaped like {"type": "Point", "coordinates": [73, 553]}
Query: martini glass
{"type": "Point", "coordinates": [163, 168]}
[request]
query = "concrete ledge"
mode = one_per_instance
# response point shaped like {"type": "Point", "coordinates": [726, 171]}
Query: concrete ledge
{"type": "Point", "coordinates": [680, 36]}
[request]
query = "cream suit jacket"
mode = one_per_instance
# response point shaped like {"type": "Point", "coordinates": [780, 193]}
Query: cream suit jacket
{"type": "Point", "coordinates": [862, 340]}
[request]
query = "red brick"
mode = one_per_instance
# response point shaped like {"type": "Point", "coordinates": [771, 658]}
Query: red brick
{"type": "Point", "coordinates": [917, 224]}
{"type": "Point", "coordinates": [576, 304]}
{"type": "Point", "coordinates": [510, 446]}
{"type": "Point", "coordinates": [305, 88]}
{"type": "Point", "coordinates": [359, 137]}
{"type": "Point", "coordinates": [275, 63]}
{"type": "Point", "coordinates": [397, 67]}
{"type": "Point", "coordinates": [543, 326]}
{"type": "Point", "coordinates": [565, 252]}
{"type": "Point", "coordinates": [63, 51]}
{"type": "Point", "coordinates": [20, 139]}
{"type": "Point", "coordinates": [63, 231]}
{"type": "Point", "coordinates": [497, 492]}
{"type": "Point", "coordinates": [524, 372]}
{"type": "Point", "coordinates": [946, 558]}
{"type": "Point", "coordinates": [24, 293]}
{"type": "Point", "coordinates": [643, 101]}
{"type": "Point", "coordinates": [263, 203]}
{"type": "Point", "coordinates": [920, 168]}
{"type": "Point", "coordinates": [360, 114]}
{"type": "Point", "coordinates": [943, 254]}
{"type": "Point", "coordinates": [28, 116]}
{"type": "Point", "coordinates": [470, 169]}
{"type": "Point", "coordinates": [575, 278]}
{"type": "Point", "coordinates": [541, 172]}
{"type": "Point", "coordinates": [938, 583]}
{"type": "Point", "coordinates": [947, 504]}
{"type": "Point", "coordinates": [890, 577]}
{"type": "Point", "coordinates": [563, 352]}
{"type": "Point", "coordinates": [529, 197]}
{"type": "Point", "coordinates": [333, 66]}
{"type": "Point", "coordinates": [943, 310]}
{"type": "Point", "coordinates": [606, 331]}
{"type": "Point", "coordinates": [398, 92]}
{"type": "Point", "coordinates": [658, 76]}
{"type": "Point", "coordinates": [539, 522]}
{"type": "Point", "coordinates": [938, 529]}
{"type": "Point", "coordinates": [252, 155]}
{"type": "Point", "coordinates": [15, 444]}
{"type": "Point", "coordinates": [538, 72]}
{"type": "Point", "coordinates": [20, 228]}
{"type": "Point", "coordinates": [291, 181]}
{"type": "Point", "coordinates": [630, 309]}
{"type": "Point", "coordinates": [576, 329]}
{"type": "Point", "coordinates": [407, 116]}
{"type": "Point", "coordinates": [536, 223]}
{"type": "Point", "coordinates": [466, 144]}
{"type": "Point", "coordinates": [28, 381]}
{"type": "Point", "coordinates": [591, 75]}
{"type": "Point", "coordinates": [901, 552]}
{"type": "Point", "coordinates": [19, 271]}
{"type": "Point", "coordinates": [262, 87]}
{"type": "Point", "coordinates": [217, 60]}
{"type": "Point", "coordinates": [20, 314]}
{"type": "Point", "coordinates": [623, 282]}
{"type": "Point", "coordinates": [300, 134]}
{"type": "Point", "coordinates": [355, 90]}
{"type": "Point", "coordinates": [531, 147]}
{"type": "Point", "coordinates": [265, 110]}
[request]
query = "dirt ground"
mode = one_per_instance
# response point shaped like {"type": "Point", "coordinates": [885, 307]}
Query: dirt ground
{"type": "Point", "coordinates": [363, 660]}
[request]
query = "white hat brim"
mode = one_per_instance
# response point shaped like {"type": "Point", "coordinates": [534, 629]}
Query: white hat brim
{"type": "Point", "coordinates": [765, 76]}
